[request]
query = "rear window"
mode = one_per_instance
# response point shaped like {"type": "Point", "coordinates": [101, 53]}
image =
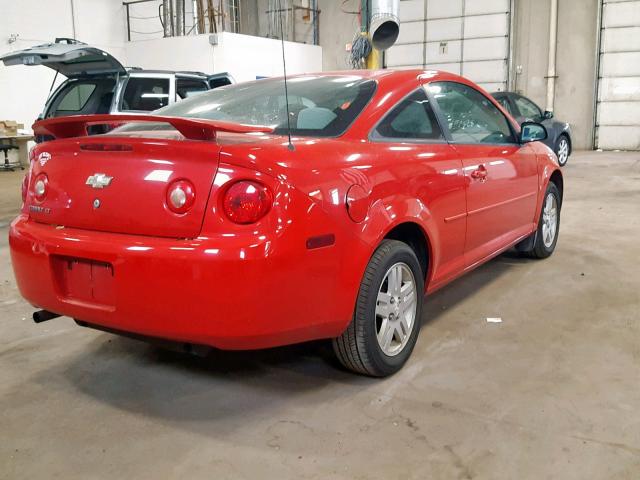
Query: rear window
{"type": "Point", "coordinates": [318, 106]}
{"type": "Point", "coordinates": [76, 97]}
{"type": "Point", "coordinates": [145, 94]}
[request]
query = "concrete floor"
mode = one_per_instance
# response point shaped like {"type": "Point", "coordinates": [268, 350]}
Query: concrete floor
{"type": "Point", "coordinates": [552, 392]}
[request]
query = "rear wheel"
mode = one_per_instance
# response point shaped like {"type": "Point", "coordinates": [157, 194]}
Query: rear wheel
{"type": "Point", "coordinates": [543, 242]}
{"type": "Point", "coordinates": [386, 321]}
{"type": "Point", "coordinates": [562, 150]}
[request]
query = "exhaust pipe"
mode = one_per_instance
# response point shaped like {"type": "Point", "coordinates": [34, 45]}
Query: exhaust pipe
{"type": "Point", "coordinates": [44, 315]}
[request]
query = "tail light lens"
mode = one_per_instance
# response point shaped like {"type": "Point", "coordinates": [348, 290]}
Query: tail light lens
{"type": "Point", "coordinates": [246, 202]}
{"type": "Point", "coordinates": [181, 195]}
{"type": "Point", "coordinates": [25, 187]}
{"type": "Point", "coordinates": [40, 187]}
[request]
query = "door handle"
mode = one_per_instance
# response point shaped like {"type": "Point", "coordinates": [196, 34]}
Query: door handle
{"type": "Point", "coordinates": [479, 173]}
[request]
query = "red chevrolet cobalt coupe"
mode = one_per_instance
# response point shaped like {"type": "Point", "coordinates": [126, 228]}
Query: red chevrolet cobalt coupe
{"type": "Point", "coordinates": [203, 224]}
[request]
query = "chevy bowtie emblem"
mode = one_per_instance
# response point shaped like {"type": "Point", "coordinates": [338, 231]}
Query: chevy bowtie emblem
{"type": "Point", "coordinates": [99, 180]}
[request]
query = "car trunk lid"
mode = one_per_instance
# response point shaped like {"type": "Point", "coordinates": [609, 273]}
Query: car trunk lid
{"type": "Point", "coordinates": [120, 184]}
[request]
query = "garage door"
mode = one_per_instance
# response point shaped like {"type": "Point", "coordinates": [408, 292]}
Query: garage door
{"type": "Point", "coordinates": [467, 37]}
{"type": "Point", "coordinates": [618, 114]}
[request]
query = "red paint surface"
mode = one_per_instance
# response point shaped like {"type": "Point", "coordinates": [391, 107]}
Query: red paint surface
{"type": "Point", "coordinates": [199, 277]}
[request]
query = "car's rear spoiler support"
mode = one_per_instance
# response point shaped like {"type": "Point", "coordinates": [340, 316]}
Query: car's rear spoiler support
{"type": "Point", "coordinates": [190, 128]}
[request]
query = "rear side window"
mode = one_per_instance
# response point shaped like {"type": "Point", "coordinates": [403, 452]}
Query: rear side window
{"type": "Point", "coordinates": [219, 82]}
{"type": "Point", "coordinates": [76, 97]}
{"type": "Point", "coordinates": [187, 87]}
{"type": "Point", "coordinates": [145, 94]}
{"type": "Point", "coordinates": [470, 116]}
{"type": "Point", "coordinates": [411, 119]}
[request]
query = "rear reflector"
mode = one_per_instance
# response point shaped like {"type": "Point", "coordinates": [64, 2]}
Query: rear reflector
{"type": "Point", "coordinates": [40, 187]}
{"type": "Point", "coordinates": [106, 147]}
{"type": "Point", "coordinates": [181, 196]}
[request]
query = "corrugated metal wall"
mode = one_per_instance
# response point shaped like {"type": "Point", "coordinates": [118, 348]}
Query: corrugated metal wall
{"type": "Point", "coordinates": [467, 37]}
{"type": "Point", "coordinates": [618, 109]}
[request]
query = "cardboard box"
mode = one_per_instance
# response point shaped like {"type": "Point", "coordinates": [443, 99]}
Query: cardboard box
{"type": "Point", "coordinates": [10, 128]}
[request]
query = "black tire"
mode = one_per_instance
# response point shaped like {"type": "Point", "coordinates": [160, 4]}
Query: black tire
{"type": "Point", "coordinates": [536, 246]}
{"type": "Point", "coordinates": [562, 142]}
{"type": "Point", "coordinates": [358, 348]}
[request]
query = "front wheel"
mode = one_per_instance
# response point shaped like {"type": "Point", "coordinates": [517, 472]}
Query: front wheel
{"type": "Point", "coordinates": [543, 241]}
{"type": "Point", "coordinates": [386, 321]}
{"type": "Point", "coordinates": [562, 150]}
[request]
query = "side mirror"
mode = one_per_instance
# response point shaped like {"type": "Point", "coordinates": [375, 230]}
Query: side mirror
{"type": "Point", "coordinates": [532, 132]}
{"type": "Point", "coordinates": [547, 115]}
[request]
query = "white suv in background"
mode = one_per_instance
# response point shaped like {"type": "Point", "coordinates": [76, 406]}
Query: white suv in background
{"type": "Point", "coordinates": [98, 84]}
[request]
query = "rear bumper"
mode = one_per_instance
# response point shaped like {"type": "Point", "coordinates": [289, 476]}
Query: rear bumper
{"type": "Point", "coordinates": [230, 293]}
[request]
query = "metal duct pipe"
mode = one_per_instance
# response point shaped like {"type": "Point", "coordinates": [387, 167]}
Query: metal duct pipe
{"type": "Point", "coordinates": [385, 23]}
{"type": "Point", "coordinates": [553, 40]}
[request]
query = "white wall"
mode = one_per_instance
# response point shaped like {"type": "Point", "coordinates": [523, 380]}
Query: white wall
{"type": "Point", "coordinates": [23, 90]}
{"type": "Point", "coordinates": [102, 23]}
{"type": "Point", "coordinates": [244, 56]}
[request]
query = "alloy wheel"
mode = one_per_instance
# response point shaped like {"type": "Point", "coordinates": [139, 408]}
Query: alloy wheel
{"type": "Point", "coordinates": [563, 151]}
{"type": "Point", "coordinates": [549, 220]}
{"type": "Point", "coordinates": [396, 309]}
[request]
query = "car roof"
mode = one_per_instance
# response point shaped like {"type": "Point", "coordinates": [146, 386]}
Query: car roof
{"type": "Point", "coordinates": [169, 72]}
{"type": "Point", "coordinates": [389, 77]}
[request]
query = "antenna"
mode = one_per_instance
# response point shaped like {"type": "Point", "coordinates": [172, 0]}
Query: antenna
{"type": "Point", "coordinates": [286, 87]}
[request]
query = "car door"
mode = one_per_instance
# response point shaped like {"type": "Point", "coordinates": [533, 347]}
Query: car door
{"type": "Point", "coordinates": [426, 168]}
{"type": "Point", "coordinates": [501, 174]}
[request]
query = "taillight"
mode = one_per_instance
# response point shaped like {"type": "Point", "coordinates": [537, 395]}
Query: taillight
{"type": "Point", "coordinates": [181, 195]}
{"type": "Point", "coordinates": [25, 187]}
{"type": "Point", "coordinates": [40, 186]}
{"type": "Point", "coordinates": [246, 202]}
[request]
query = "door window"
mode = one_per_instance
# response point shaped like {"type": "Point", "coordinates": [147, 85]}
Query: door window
{"type": "Point", "coordinates": [528, 109]}
{"type": "Point", "coordinates": [145, 94]}
{"type": "Point", "coordinates": [411, 119]}
{"type": "Point", "coordinates": [470, 116]}
{"type": "Point", "coordinates": [188, 87]}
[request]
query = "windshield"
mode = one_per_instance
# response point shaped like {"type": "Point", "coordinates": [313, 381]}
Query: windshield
{"type": "Point", "coordinates": [318, 106]}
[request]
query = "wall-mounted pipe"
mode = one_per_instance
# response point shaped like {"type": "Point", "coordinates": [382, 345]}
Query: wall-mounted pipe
{"type": "Point", "coordinates": [385, 23]}
{"type": "Point", "coordinates": [73, 20]}
{"type": "Point", "coordinates": [553, 41]}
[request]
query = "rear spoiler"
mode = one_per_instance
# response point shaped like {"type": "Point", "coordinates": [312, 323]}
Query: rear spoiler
{"type": "Point", "coordinates": [191, 128]}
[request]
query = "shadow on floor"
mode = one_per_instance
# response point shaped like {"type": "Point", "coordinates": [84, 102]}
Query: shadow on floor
{"type": "Point", "coordinates": [138, 377]}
